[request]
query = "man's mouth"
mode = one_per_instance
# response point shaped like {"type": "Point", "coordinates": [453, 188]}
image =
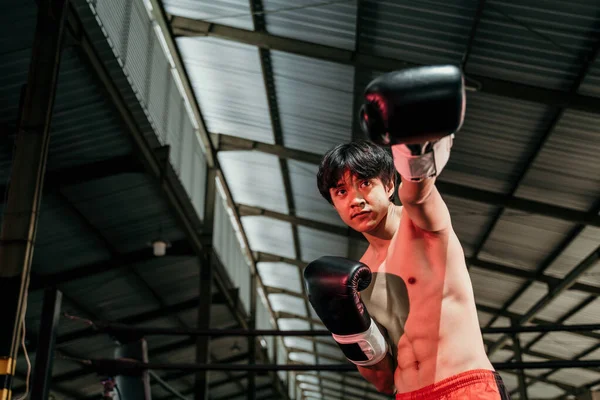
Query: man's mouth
{"type": "Point", "coordinates": [358, 214]}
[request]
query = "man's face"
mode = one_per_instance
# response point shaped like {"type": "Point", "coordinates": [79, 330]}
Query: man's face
{"type": "Point", "coordinates": [361, 203]}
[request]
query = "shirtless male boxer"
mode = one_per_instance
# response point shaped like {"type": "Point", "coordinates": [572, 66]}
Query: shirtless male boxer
{"type": "Point", "coordinates": [405, 313]}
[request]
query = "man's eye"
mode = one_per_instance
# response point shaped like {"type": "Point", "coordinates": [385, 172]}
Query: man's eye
{"type": "Point", "coordinates": [340, 192]}
{"type": "Point", "coordinates": [366, 183]}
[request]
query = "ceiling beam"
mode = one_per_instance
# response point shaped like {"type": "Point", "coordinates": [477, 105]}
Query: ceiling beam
{"type": "Point", "coordinates": [182, 26]}
{"type": "Point", "coordinates": [86, 173]}
{"type": "Point", "coordinates": [246, 210]}
{"type": "Point", "coordinates": [39, 282]}
{"type": "Point", "coordinates": [228, 143]}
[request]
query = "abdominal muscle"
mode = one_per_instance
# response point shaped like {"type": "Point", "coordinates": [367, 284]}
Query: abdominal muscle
{"type": "Point", "coordinates": [441, 336]}
{"type": "Point", "coordinates": [429, 352]}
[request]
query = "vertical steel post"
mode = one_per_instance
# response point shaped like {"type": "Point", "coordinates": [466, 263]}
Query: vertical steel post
{"type": "Point", "coordinates": [133, 387]}
{"type": "Point", "coordinates": [203, 342]}
{"type": "Point", "coordinates": [44, 356]}
{"type": "Point", "coordinates": [19, 224]}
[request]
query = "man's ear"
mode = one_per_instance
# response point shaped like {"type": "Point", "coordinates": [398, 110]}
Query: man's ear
{"type": "Point", "coordinates": [390, 187]}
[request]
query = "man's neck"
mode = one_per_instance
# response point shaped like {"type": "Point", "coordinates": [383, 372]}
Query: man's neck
{"type": "Point", "coordinates": [380, 237]}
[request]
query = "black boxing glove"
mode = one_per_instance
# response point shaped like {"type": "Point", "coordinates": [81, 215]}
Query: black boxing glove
{"type": "Point", "coordinates": [416, 111]}
{"type": "Point", "coordinates": [332, 284]}
{"type": "Point", "coordinates": [414, 105]}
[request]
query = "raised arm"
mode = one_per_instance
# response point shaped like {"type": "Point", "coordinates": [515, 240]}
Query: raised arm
{"type": "Point", "coordinates": [416, 112]}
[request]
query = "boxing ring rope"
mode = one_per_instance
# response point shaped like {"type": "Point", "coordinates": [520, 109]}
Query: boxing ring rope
{"type": "Point", "coordinates": [133, 368]}
{"type": "Point", "coordinates": [117, 329]}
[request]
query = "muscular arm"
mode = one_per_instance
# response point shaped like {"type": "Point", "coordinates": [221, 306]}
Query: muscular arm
{"type": "Point", "coordinates": [380, 375]}
{"type": "Point", "coordinates": [424, 205]}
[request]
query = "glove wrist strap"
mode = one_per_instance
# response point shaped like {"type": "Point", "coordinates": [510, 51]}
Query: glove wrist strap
{"type": "Point", "coordinates": [372, 343]}
{"type": "Point", "coordinates": [417, 167]}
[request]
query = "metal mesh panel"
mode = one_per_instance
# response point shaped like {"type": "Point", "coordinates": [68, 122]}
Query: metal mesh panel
{"type": "Point", "coordinates": [113, 15]}
{"type": "Point", "coordinates": [159, 87]}
{"type": "Point", "coordinates": [137, 45]}
{"type": "Point", "coordinates": [200, 171]}
{"type": "Point", "coordinates": [263, 321]}
{"type": "Point", "coordinates": [137, 49]}
{"type": "Point", "coordinates": [228, 248]}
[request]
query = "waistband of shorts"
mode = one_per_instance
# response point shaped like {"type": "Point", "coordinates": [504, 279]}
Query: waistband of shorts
{"type": "Point", "coordinates": [450, 384]}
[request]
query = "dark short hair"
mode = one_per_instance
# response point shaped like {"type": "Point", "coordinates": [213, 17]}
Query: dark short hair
{"type": "Point", "coordinates": [362, 158]}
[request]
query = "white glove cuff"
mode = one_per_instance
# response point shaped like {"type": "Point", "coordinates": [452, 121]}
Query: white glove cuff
{"type": "Point", "coordinates": [371, 342]}
{"type": "Point", "coordinates": [419, 167]}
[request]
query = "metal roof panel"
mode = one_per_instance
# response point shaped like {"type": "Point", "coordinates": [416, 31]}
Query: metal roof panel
{"type": "Point", "coordinates": [280, 275]}
{"type": "Point", "coordinates": [524, 241]}
{"type": "Point", "coordinates": [125, 228]}
{"type": "Point", "coordinates": [424, 32]}
{"type": "Point", "coordinates": [576, 252]}
{"type": "Point", "coordinates": [269, 235]}
{"type": "Point", "coordinates": [307, 200]}
{"type": "Point", "coordinates": [234, 13]}
{"type": "Point", "coordinates": [565, 345]}
{"type": "Point", "coordinates": [534, 42]}
{"type": "Point", "coordinates": [591, 83]}
{"type": "Point", "coordinates": [316, 243]}
{"type": "Point", "coordinates": [315, 101]}
{"type": "Point", "coordinates": [254, 179]}
{"type": "Point", "coordinates": [328, 23]}
{"type": "Point", "coordinates": [238, 108]}
{"type": "Point", "coordinates": [489, 152]}
{"type": "Point", "coordinates": [576, 376]}
{"type": "Point", "coordinates": [565, 173]}
{"type": "Point", "coordinates": [491, 288]}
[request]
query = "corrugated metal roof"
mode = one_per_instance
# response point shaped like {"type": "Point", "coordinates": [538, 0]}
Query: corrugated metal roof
{"type": "Point", "coordinates": [227, 12]}
{"type": "Point", "coordinates": [578, 250]}
{"type": "Point", "coordinates": [492, 288]}
{"type": "Point", "coordinates": [576, 376]}
{"type": "Point", "coordinates": [269, 235]}
{"type": "Point", "coordinates": [585, 315]}
{"type": "Point", "coordinates": [238, 108]}
{"type": "Point", "coordinates": [545, 390]}
{"type": "Point", "coordinates": [315, 101]}
{"type": "Point", "coordinates": [469, 220]}
{"type": "Point", "coordinates": [111, 295]}
{"type": "Point", "coordinates": [493, 144]}
{"type": "Point", "coordinates": [563, 344]}
{"type": "Point", "coordinates": [61, 232]}
{"type": "Point", "coordinates": [280, 275]}
{"type": "Point", "coordinates": [284, 302]}
{"type": "Point", "coordinates": [505, 46]}
{"type": "Point", "coordinates": [510, 242]}
{"type": "Point", "coordinates": [330, 23]}
{"type": "Point", "coordinates": [125, 228]}
{"type": "Point", "coordinates": [292, 324]}
{"type": "Point", "coordinates": [254, 179]}
{"type": "Point", "coordinates": [531, 296]}
{"type": "Point", "coordinates": [173, 278]}
{"type": "Point", "coordinates": [567, 179]}
{"type": "Point", "coordinates": [316, 243]}
{"type": "Point", "coordinates": [423, 32]}
{"type": "Point", "coordinates": [84, 127]}
{"type": "Point", "coordinates": [561, 305]}
{"type": "Point", "coordinates": [308, 202]}
{"type": "Point", "coordinates": [591, 84]}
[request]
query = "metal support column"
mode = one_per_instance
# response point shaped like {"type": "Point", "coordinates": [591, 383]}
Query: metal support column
{"type": "Point", "coordinates": [131, 386]}
{"type": "Point", "coordinates": [203, 343]}
{"type": "Point", "coordinates": [252, 339]}
{"type": "Point", "coordinates": [519, 358]}
{"type": "Point", "coordinates": [23, 199]}
{"type": "Point", "coordinates": [44, 356]}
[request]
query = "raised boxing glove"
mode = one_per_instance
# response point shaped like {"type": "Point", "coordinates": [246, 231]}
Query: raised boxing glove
{"type": "Point", "coordinates": [333, 284]}
{"type": "Point", "coordinates": [414, 105]}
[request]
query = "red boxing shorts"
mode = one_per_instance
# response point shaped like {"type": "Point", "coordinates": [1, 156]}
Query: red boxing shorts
{"type": "Point", "coordinates": [478, 384]}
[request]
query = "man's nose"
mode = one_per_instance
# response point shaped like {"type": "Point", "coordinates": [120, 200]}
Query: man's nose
{"type": "Point", "coordinates": [357, 199]}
